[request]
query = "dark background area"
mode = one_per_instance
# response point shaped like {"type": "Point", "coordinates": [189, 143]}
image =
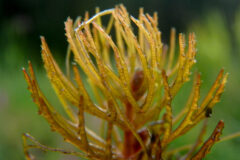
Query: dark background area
{"type": "Point", "coordinates": [215, 22]}
{"type": "Point", "coordinates": [25, 20]}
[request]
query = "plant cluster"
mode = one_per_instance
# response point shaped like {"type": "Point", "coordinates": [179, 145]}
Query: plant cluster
{"type": "Point", "coordinates": [134, 78]}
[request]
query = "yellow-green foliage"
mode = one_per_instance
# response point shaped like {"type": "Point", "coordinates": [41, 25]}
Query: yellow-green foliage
{"type": "Point", "coordinates": [130, 98]}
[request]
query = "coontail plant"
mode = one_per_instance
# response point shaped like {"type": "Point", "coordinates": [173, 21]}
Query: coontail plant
{"type": "Point", "coordinates": [134, 79]}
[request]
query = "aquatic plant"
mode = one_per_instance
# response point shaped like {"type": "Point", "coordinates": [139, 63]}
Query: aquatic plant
{"type": "Point", "coordinates": [134, 78]}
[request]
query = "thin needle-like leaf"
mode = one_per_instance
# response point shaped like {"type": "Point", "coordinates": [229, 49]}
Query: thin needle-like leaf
{"type": "Point", "coordinates": [210, 142]}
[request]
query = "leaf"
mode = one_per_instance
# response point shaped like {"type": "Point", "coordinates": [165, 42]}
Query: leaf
{"type": "Point", "coordinates": [205, 149]}
{"type": "Point", "coordinates": [38, 145]}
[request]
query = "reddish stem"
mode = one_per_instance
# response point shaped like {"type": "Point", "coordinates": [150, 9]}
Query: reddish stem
{"type": "Point", "coordinates": [129, 138]}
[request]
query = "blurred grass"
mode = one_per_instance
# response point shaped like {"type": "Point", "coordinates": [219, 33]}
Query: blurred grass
{"type": "Point", "coordinates": [18, 114]}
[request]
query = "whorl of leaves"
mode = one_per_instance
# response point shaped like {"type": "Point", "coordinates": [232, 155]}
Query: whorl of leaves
{"type": "Point", "coordinates": [134, 79]}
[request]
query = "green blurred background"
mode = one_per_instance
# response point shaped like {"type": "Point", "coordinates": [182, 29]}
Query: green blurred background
{"type": "Point", "coordinates": [215, 22]}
